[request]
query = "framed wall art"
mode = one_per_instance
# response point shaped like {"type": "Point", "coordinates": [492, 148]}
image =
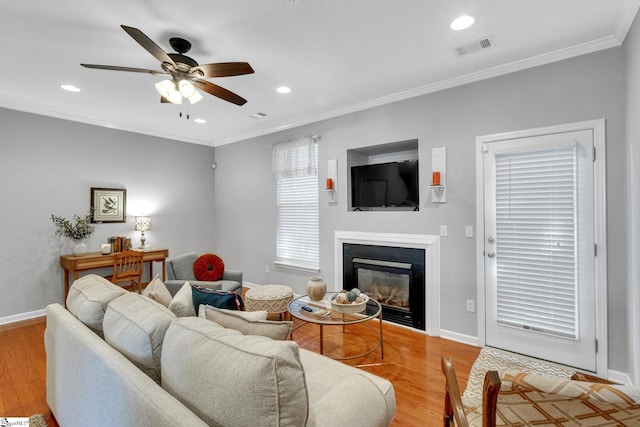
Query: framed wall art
{"type": "Point", "coordinates": [108, 204]}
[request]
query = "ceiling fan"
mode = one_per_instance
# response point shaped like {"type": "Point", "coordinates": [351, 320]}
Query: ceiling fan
{"type": "Point", "coordinates": [186, 75]}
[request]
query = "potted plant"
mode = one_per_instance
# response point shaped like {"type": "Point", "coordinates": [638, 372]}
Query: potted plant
{"type": "Point", "coordinates": [77, 230]}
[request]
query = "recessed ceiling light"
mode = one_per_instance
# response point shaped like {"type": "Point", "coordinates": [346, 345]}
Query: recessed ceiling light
{"type": "Point", "coordinates": [259, 115]}
{"type": "Point", "coordinates": [70, 88]}
{"type": "Point", "coordinates": [200, 121]}
{"type": "Point", "coordinates": [462, 22]}
{"type": "Point", "coordinates": [283, 89]}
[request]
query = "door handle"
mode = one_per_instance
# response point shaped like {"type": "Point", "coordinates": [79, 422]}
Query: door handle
{"type": "Point", "coordinates": [491, 255]}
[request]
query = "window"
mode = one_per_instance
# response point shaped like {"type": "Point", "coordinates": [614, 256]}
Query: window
{"type": "Point", "coordinates": [295, 167]}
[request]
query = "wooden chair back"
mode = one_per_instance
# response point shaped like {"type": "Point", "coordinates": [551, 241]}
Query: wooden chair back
{"type": "Point", "coordinates": [127, 268]}
{"type": "Point", "coordinates": [453, 407]}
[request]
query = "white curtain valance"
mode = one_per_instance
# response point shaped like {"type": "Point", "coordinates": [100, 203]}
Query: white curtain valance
{"type": "Point", "coordinates": [295, 158]}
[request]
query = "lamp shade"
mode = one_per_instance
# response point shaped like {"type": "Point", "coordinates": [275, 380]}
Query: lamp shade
{"type": "Point", "coordinates": [195, 97]}
{"type": "Point", "coordinates": [186, 88]}
{"type": "Point", "coordinates": [167, 89]}
{"type": "Point", "coordinates": [142, 223]}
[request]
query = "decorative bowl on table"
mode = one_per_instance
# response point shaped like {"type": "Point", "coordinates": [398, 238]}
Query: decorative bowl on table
{"type": "Point", "coordinates": [347, 302]}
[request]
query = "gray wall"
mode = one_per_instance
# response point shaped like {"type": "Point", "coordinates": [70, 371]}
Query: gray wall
{"type": "Point", "coordinates": [632, 138]}
{"type": "Point", "coordinates": [48, 166]}
{"type": "Point", "coordinates": [582, 88]}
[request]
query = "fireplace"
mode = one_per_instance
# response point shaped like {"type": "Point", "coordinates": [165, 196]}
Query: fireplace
{"type": "Point", "coordinates": [393, 276]}
{"type": "Point", "coordinates": [412, 252]}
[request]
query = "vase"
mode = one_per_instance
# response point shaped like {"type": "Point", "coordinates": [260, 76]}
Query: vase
{"type": "Point", "coordinates": [316, 288]}
{"type": "Point", "coordinates": [79, 248]}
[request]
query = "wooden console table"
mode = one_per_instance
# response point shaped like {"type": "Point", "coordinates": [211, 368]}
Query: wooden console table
{"type": "Point", "coordinates": [74, 264]}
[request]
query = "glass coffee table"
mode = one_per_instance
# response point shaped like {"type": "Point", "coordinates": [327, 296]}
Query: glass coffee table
{"type": "Point", "coordinates": [323, 315]}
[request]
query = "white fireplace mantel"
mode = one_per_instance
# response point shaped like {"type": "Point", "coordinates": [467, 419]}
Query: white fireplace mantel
{"type": "Point", "coordinates": [431, 246]}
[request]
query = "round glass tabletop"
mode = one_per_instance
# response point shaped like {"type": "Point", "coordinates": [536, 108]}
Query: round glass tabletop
{"type": "Point", "coordinates": [323, 313]}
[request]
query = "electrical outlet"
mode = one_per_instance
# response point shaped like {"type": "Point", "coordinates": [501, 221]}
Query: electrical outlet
{"type": "Point", "coordinates": [471, 306]}
{"type": "Point", "coordinates": [443, 231]}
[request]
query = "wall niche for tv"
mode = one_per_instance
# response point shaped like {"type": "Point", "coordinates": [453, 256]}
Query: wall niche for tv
{"type": "Point", "coordinates": [384, 177]}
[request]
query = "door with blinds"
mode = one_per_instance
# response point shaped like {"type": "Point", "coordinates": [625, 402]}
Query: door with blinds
{"type": "Point", "coordinates": [539, 244]}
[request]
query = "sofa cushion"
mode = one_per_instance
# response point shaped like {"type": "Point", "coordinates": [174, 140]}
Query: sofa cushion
{"type": "Point", "coordinates": [182, 303]}
{"type": "Point", "coordinates": [261, 376]}
{"type": "Point", "coordinates": [157, 291]}
{"type": "Point", "coordinates": [88, 298]}
{"type": "Point", "coordinates": [247, 322]}
{"type": "Point", "coordinates": [135, 326]}
{"type": "Point", "coordinates": [182, 266]}
{"type": "Point", "coordinates": [208, 267]}
{"type": "Point", "coordinates": [329, 383]}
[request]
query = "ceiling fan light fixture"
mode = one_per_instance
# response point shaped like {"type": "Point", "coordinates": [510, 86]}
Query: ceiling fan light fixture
{"type": "Point", "coordinates": [174, 97]}
{"type": "Point", "coordinates": [187, 89]}
{"type": "Point", "coordinates": [195, 97]}
{"type": "Point", "coordinates": [167, 90]}
{"type": "Point", "coordinates": [164, 88]}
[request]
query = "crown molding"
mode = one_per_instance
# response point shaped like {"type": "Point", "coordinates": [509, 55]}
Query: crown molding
{"type": "Point", "coordinates": [614, 40]}
{"type": "Point", "coordinates": [535, 61]}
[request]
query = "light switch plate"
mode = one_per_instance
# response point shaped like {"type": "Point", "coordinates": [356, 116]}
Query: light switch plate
{"type": "Point", "coordinates": [443, 231]}
{"type": "Point", "coordinates": [468, 231]}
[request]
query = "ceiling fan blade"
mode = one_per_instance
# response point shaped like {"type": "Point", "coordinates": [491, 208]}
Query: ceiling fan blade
{"type": "Point", "coordinates": [224, 69]}
{"type": "Point", "coordinates": [117, 68]}
{"type": "Point", "coordinates": [220, 92]}
{"type": "Point", "coordinates": [148, 44]}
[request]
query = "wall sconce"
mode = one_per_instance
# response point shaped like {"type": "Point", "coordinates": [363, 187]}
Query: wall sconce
{"type": "Point", "coordinates": [332, 180]}
{"type": "Point", "coordinates": [142, 224]}
{"type": "Point", "coordinates": [438, 175]}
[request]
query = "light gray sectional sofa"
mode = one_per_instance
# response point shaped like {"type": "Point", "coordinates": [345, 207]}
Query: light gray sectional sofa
{"type": "Point", "coordinates": [116, 358]}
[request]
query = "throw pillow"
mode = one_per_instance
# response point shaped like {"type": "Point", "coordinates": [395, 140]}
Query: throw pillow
{"type": "Point", "coordinates": [157, 291]}
{"type": "Point", "coordinates": [135, 326]}
{"type": "Point", "coordinates": [242, 321]}
{"type": "Point", "coordinates": [208, 268]}
{"type": "Point", "coordinates": [182, 303]}
{"type": "Point", "coordinates": [215, 298]}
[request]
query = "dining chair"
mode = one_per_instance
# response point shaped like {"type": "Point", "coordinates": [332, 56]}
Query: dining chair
{"type": "Point", "coordinates": [127, 270]}
{"type": "Point", "coordinates": [521, 399]}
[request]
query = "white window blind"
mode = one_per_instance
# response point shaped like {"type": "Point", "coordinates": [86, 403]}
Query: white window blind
{"type": "Point", "coordinates": [536, 240]}
{"type": "Point", "coordinates": [295, 167]}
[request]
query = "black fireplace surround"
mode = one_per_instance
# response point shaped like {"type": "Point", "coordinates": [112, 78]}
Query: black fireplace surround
{"type": "Point", "coordinates": [394, 276]}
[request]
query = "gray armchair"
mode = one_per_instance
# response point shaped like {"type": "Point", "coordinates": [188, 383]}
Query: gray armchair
{"type": "Point", "coordinates": [180, 270]}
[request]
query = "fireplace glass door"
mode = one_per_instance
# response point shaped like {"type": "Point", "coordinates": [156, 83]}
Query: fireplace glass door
{"type": "Point", "coordinates": [386, 282]}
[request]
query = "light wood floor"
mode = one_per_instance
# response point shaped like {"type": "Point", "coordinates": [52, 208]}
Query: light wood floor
{"type": "Point", "coordinates": [411, 362]}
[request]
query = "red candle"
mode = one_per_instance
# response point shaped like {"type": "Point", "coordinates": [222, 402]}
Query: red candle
{"type": "Point", "coordinates": [435, 178]}
{"type": "Point", "coordinates": [329, 184]}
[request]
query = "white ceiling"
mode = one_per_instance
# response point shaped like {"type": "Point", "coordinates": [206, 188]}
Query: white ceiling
{"type": "Point", "coordinates": [338, 56]}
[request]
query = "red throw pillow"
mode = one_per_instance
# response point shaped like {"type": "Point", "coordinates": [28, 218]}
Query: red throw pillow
{"type": "Point", "coordinates": [208, 267]}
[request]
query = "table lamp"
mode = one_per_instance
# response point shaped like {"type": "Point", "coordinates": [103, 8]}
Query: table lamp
{"type": "Point", "coordinates": [142, 224]}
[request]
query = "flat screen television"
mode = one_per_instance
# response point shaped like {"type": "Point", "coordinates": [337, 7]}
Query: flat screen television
{"type": "Point", "coordinates": [384, 185]}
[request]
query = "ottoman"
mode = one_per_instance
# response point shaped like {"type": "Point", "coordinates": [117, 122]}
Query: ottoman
{"type": "Point", "coordinates": [270, 298]}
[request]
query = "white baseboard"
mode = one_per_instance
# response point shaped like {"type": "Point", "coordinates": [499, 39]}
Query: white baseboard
{"type": "Point", "coordinates": [23, 316]}
{"type": "Point", "coordinates": [619, 377]}
{"type": "Point", "coordinates": [457, 337]}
